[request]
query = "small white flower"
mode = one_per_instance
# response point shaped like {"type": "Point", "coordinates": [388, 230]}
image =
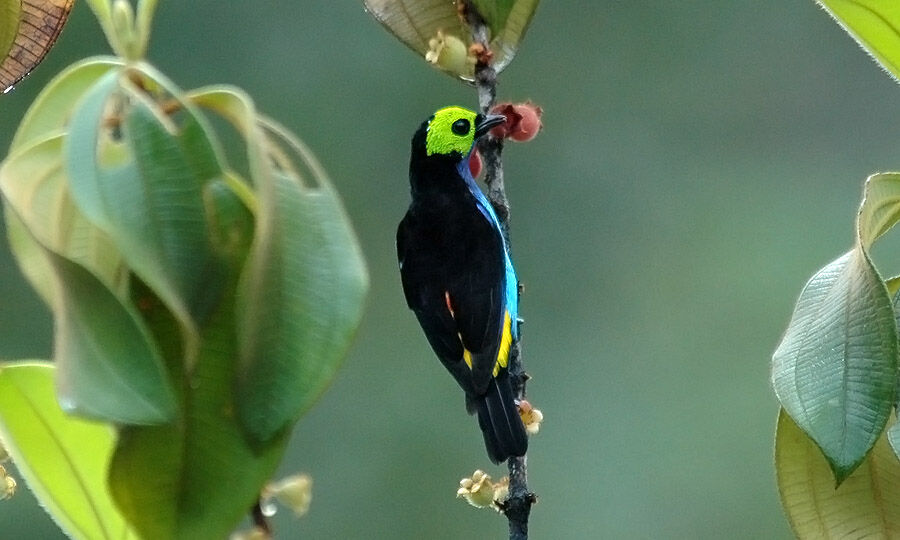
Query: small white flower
{"type": "Point", "coordinates": [7, 485]}
{"type": "Point", "coordinates": [294, 492]}
{"type": "Point", "coordinates": [531, 417]}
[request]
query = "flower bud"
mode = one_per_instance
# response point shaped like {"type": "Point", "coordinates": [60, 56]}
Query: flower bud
{"type": "Point", "coordinates": [294, 492]}
{"type": "Point", "coordinates": [478, 490]}
{"type": "Point", "coordinates": [256, 533]}
{"type": "Point", "coordinates": [449, 53]}
{"type": "Point", "coordinates": [531, 417]}
{"type": "Point", "coordinates": [7, 485]}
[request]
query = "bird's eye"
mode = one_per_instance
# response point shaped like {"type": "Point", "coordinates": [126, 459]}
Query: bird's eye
{"type": "Point", "coordinates": [460, 127]}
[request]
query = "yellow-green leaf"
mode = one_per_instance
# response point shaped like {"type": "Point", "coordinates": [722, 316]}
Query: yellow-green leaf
{"type": "Point", "coordinates": [63, 459]}
{"type": "Point", "coordinates": [874, 24]}
{"type": "Point", "coordinates": [866, 505]}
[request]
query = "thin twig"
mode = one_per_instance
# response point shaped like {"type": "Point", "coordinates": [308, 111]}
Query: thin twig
{"type": "Point", "coordinates": [259, 519]}
{"type": "Point", "coordinates": [517, 506]}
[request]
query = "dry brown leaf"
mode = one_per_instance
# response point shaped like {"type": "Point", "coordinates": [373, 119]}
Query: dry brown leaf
{"type": "Point", "coordinates": [40, 22]}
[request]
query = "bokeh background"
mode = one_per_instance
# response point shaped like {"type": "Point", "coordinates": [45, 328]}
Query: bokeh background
{"type": "Point", "coordinates": [700, 160]}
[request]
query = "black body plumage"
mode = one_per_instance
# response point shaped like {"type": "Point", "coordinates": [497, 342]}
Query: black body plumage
{"type": "Point", "coordinates": [456, 277]}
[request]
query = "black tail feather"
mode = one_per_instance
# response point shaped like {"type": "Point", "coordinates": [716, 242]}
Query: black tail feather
{"type": "Point", "coordinates": [498, 417]}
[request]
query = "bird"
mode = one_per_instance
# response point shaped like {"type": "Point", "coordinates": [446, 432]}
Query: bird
{"type": "Point", "coordinates": [457, 274]}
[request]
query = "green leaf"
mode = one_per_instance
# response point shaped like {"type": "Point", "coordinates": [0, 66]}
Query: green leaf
{"type": "Point", "coordinates": [35, 25]}
{"type": "Point", "coordinates": [197, 477]}
{"type": "Point", "coordinates": [494, 12]}
{"type": "Point", "coordinates": [51, 110]}
{"type": "Point", "coordinates": [110, 367]}
{"type": "Point", "coordinates": [874, 24]}
{"type": "Point", "coordinates": [63, 459]}
{"type": "Point", "coordinates": [40, 211]}
{"type": "Point", "coordinates": [864, 506]}
{"type": "Point", "coordinates": [417, 22]}
{"type": "Point", "coordinates": [302, 300]}
{"type": "Point", "coordinates": [146, 193]}
{"type": "Point", "coordinates": [301, 296]}
{"type": "Point", "coordinates": [835, 369]}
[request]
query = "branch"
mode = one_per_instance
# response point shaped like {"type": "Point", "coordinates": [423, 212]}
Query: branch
{"type": "Point", "coordinates": [517, 506]}
{"type": "Point", "coordinates": [259, 519]}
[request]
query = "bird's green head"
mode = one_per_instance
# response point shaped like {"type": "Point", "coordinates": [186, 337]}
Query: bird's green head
{"type": "Point", "coordinates": [452, 131]}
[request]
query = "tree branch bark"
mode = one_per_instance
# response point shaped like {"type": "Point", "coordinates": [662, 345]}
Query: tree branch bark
{"type": "Point", "coordinates": [517, 506]}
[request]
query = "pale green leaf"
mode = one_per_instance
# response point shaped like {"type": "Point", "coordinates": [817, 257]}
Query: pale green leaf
{"type": "Point", "coordinates": [835, 369]}
{"type": "Point", "coordinates": [893, 437]}
{"type": "Point", "coordinates": [40, 209]}
{"type": "Point", "coordinates": [51, 110]}
{"type": "Point", "coordinates": [146, 193]}
{"type": "Point", "coordinates": [110, 367]}
{"type": "Point", "coordinates": [63, 459]}
{"type": "Point", "coordinates": [37, 25]}
{"type": "Point", "coordinates": [874, 24]}
{"type": "Point", "coordinates": [417, 22]}
{"type": "Point", "coordinates": [866, 505]}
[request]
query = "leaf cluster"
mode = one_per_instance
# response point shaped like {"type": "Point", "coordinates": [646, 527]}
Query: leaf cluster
{"type": "Point", "coordinates": [198, 310]}
{"type": "Point", "coordinates": [836, 371]}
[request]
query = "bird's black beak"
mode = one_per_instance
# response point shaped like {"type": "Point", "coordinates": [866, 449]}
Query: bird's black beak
{"type": "Point", "coordinates": [483, 123]}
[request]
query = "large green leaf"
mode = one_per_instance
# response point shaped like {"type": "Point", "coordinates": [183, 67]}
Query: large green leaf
{"type": "Point", "coordinates": [874, 24]}
{"type": "Point", "coordinates": [302, 300]}
{"type": "Point", "coordinates": [110, 367]}
{"type": "Point", "coordinates": [301, 295]}
{"type": "Point", "coordinates": [40, 211]}
{"type": "Point", "coordinates": [145, 192]}
{"type": "Point", "coordinates": [835, 369]}
{"type": "Point", "coordinates": [196, 478]}
{"type": "Point", "coordinates": [866, 505]}
{"type": "Point", "coordinates": [33, 26]}
{"type": "Point", "coordinates": [63, 459]}
{"type": "Point", "coordinates": [417, 22]}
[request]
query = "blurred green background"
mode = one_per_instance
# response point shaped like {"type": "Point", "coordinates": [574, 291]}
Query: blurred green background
{"type": "Point", "coordinates": [700, 160]}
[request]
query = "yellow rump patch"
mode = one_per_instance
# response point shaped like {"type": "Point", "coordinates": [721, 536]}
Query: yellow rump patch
{"type": "Point", "coordinates": [505, 344]}
{"type": "Point", "coordinates": [467, 357]}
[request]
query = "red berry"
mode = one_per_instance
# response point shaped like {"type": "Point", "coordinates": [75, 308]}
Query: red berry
{"type": "Point", "coordinates": [475, 163]}
{"type": "Point", "coordinates": [512, 118]}
{"type": "Point", "coordinates": [529, 122]}
{"type": "Point", "coordinates": [523, 121]}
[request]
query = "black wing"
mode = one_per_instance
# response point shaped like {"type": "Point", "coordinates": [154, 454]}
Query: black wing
{"type": "Point", "coordinates": [452, 274]}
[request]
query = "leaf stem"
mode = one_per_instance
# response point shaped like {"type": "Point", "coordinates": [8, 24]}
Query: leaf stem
{"type": "Point", "coordinates": [103, 11]}
{"type": "Point", "coordinates": [517, 506]}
